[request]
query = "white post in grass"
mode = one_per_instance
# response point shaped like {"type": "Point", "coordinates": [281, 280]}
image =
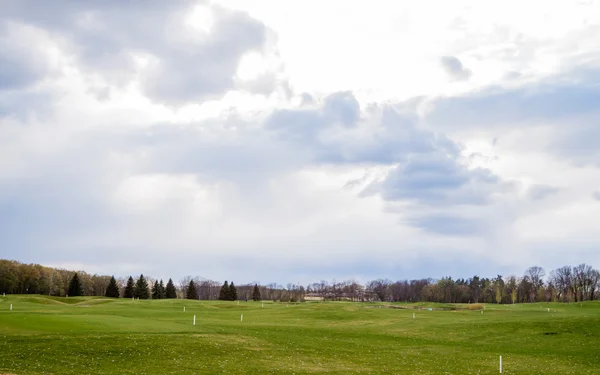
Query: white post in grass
{"type": "Point", "coordinates": [548, 309]}
{"type": "Point", "coordinates": [242, 318]}
{"type": "Point", "coordinates": [194, 319]}
{"type": "Point", "coordinates": [132, 299]}
{"type": "Point", "coordinates": [183, 308]}
{"type": "Point", "coordinates": [11, 307]}
{"type": "Point", "coordinates": [481, 312]}
{"type": "Point", "coordinates": [501, 364]}
{"type": "Point", "coordinates": [414, 316]}
{"type": "Point", "coordinates": [263, 305]}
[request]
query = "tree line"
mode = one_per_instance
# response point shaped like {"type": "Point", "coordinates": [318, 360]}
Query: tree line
{"type": "Point", "coordinates": [565, 284]}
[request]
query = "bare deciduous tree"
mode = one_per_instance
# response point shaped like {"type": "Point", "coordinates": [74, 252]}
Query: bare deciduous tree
{"type": "Point", "coordinates": [380, 288]}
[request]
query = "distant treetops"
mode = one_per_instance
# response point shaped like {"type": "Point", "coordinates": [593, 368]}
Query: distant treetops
{"type": "Point", "coordinates": [75, 289]}
{"type": "Point", "coordinates": [191, 292]}
{"type": "Point", "coordinates": [112, 290]}
{"type": "Point", "coordinates": [140, 289]}
{"type": "Point", "coordinates": [256, 293]}
{"type": "Point", "coordinates": [228, 292]}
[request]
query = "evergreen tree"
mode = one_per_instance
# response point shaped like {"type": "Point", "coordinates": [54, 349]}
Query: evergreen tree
{"type": "Point", "coordinates": [112, 290]}
{"type": "Point", "coordinates": [170, 290]}
{"type": "Point", "coordinates": [191, 291]}
{"type": "Point", "coordinates": [75, 289]}
{"type": "Point", "coordinates": [156, 290]}
{"type": "Point", "coordinates": [141, 289]}
{"type": "Point", "coordinates": [232, 292]}
{"type": "Point", "coordinates": [256, 293]}
{"type": "Point", "coordinates": [161, 290]}
{"type": "Point", "coordinates": [129, 288]}
{"type": "Point", "coordinates": [224, 293]}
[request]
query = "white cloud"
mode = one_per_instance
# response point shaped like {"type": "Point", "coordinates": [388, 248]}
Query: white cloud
{"type": "Point", "coordinates": [386, 49]}
{"type": "Point", "coordinates": [281, 141]}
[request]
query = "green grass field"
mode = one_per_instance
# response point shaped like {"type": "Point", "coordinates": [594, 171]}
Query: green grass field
{"type": "Point", "coordinates": [44, 335]}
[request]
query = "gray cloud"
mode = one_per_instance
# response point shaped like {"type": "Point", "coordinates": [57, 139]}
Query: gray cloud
{"type": "Point", "coordinates": [448, 225]}
{"type": "Point", "coordinates": [454, 68]}
{"type": "Point", "coordinates": [436, 179]}
{"type": "Point", "coordinates": [386, 135]}
{"type": "Point", "coordinates": [539, 192]}
{"type": "Point", "coordinates": [16, 70]}
{"type": "Point", "coordinates": [183, 67]}
{"type": "Point", "coordinates": [206, 69]}
{"type": "Point", "coordinates": [296, 125]}
{"type": "Point", "coordinates": [342, 107]}
{"type": "Point", "coordinates": [263, 84]}
{"type": "Point", "coordinates": [21, 105]}
{"type": "Point", "coordinates": [498, 106]}
{"type": "Point", "coordinates": [307, 99]}
{"type": "Point", "coordinates": [22, 61]}
{"type": "Point", "coordinates": [307, 124]}
{"type": "Point", "coordinates": [567, 104]}
{"type": "Point", "coordinates": [59, 195]}
{"type": "Point", "coordinates": [428, 172]}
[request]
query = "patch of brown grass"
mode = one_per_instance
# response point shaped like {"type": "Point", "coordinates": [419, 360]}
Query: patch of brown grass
{"type": "Point", "coordinates": [475, 306]}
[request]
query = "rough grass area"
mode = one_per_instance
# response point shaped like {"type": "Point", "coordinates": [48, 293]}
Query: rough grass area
{"type": "Point", "coordinates": [98, 336]}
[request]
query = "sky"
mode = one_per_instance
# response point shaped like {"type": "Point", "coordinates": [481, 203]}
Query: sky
{"type": "Point", "coordinates": [294, 141]}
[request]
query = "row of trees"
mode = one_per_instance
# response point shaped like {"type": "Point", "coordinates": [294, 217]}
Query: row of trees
{"type": "Point", "coordinates": [141, 290]}
{"type": "Point", "coordinates": [566, 284]}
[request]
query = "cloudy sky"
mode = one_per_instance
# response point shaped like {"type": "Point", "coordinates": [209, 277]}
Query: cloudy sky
{"type": "Point", "coordinates": [294, 141]}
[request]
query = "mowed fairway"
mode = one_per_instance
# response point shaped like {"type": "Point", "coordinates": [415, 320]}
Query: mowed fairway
{"type": "Point", "coordinates": [44, 335]}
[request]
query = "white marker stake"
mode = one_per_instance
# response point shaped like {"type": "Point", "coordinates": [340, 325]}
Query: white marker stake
{"type": "Point", "coordinates": [548, 309]}
{"type": "Point", "coordinates": [413, 315]}
{"type": "Point", "coordinates": [11, 307]}
{"type": "Point", "coordinates": [481, 312]}
{"type": "Point", "coordinates": [194, 319]}
{"type": "Point", "coordinates": [132, 299]}
{"type": "Point", "coordinates": [501, 364]}
{"type": "Point", "coordinates": [183, 308]}
{"type": "Point", "coordinates": [263, 305]}
{"type": "Point", "coordinates": [242, 318]}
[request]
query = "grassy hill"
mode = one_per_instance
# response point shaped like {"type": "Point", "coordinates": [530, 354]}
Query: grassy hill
{"type": "Point", "coordinates": [91, 335]}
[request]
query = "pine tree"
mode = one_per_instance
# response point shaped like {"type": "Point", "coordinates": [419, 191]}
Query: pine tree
{"type": "Point", "coordinates": [112, 290]}
{"type": "Point", "coordinates": [129, 288]}
{"type": "Point", "coordinates": [141, 290]}
{"type": "Point", "coordinates": [224, 293]}
{"type": "Point", "coordinates": [75, 289]}
{"type": "Point", "coordinates": [191, 291]}
{"type": "Point", "coordinates": [170, 291]}
{"type": "Point", "coordinates": [161, 290]}
{"type": "Point", "coordinates": [232, 292]}
{"type": "Point", "coordinates": [156, 290]}
{"type": "Point", "coordinates": [256, 293]}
